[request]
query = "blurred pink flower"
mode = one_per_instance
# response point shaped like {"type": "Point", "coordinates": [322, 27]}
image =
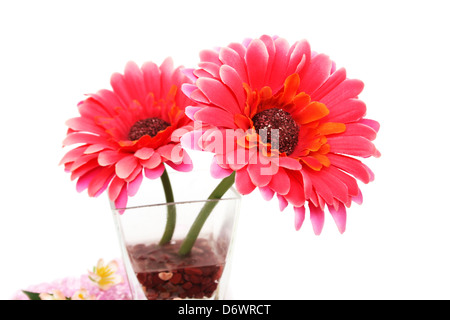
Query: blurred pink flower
{"type": "Point", "coordinates": [74, 286]}
{"type": "Point", "coordinates": [54, 294]}
{"type": "Point", "coordinates": [244, 90]}
{"type": "Point", "coordinates": [83, 294]}
{"type": "Point", "coordinates": [131, 131]}
{"type": "Point", "coordinates": [105, 276]}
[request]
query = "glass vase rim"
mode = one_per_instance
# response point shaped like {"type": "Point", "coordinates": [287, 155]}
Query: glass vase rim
{"type": "Point", "coordinates": [235, 196]}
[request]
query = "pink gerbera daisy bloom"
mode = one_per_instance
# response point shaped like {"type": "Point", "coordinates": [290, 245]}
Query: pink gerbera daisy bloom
{"type": "Point", "coordinates": [130, 132]}
{"type": "Point", "coordinates": [249, 89]}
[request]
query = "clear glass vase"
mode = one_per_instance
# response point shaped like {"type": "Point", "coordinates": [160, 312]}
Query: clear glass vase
{"type": "Point", "coordinates": [158, 271]}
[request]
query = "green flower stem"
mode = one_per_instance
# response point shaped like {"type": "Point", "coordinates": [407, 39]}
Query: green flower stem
{"type": "Point", "coordinates": [204, 213]}
{"type": "Point", "coordinates": [171, 210]}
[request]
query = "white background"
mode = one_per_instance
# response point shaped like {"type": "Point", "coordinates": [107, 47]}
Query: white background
{"type": "Point", "coordinates": [397, 243]}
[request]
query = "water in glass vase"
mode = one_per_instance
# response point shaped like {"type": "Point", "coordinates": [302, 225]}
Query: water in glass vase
{"type": "Point", "coordinates": [165, 275]}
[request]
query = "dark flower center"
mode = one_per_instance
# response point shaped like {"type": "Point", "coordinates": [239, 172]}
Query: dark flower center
{"type": "Point", "coordinates": [149, 126]}
{"type": "Point", "coordinates": [276, 125]}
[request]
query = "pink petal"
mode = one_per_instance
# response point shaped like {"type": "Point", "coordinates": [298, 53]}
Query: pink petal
{"type": "Point", "coordinates": [115, 187]}
{"type": "Point", "coordinates": [333, 67]}
{"type": "Point", "coordinates": [339, 216]}
{"type": "Point", "coordinates": [100, 181]}
{"type": "Point", "coordinates": [170, 152]}
{"type": "Point", "coordinates": [234, 60]}
{"type": "Point", "coordinates": [371, 123]}
{"type": "Point", "coordinates": [144, 153]}
{"type": "Point", "coordinates": [121, 200]}
{"type": "Point", "coordinates": [201, 73]}
{"type": "Point", "coordinates": [191, 111]}
{"type": "Point", "coordinates": [199, 97]}
{"type": "Point", "coordinates": [191, 140]}
{"type": "Point", "coordinates": [359, 129]}
{"type": "Point", "coordinates": [280, 62]}
{"type": "Point", "coordinates": [189, 72]}
{"type": "Point", "coordinates": [280, 182]}
{"type": "Point", "coordinates": [81, 161]}
{"type": "Point", "coordinates": [270, 47]}
{"type": "Point", "coordinates": [137, 171]}
{"type": "Point", "coordinates": [154, 173]}
{"type": "Point", "coordinates": [185, 166]}
{"type": "Point", "coordinates": [347, 111]}
{"type": "Point", "coordinates": [216, 117]}
{"type": "Point", "coordinates": [307, 185]}
{"type": "Point", "coordinates": [235, 159]}
{"type": "Point", "coordinates": [104, 187]}
{"type": "Point", "coordinates": [353, 166]}
{"type": "Point", "coordinates": [244, 184]}
{"type": "Point", "coordinates": [152, 80]}
{"type": "Point", "coordinates": [83, 169]}
{"type": "Point", "coordinates": [85, 124]}
{"type": "Point", "coordinates": [349, 181]}
{"type": "Point", "coordinates": [77, 137]}
{"type": "Point", "coordinates": [152, 162]}
{"type": "Point", "coordinates": [283, 203]}
{"type": "Point", "coordinates": [299, 56]}
{"type": "Point", "coordinates": [95, 148]}
{"type": "Point", "coordinates": [234, 82]}
{"type": "Point", "coordinates": [211, 68]}
{"type": "Point", "coordinates": [266, 193]}
{"type": "Point", "coordinates": [120, 88]}
{"type": "Point", "coordinates": [167, 70]}
{"type": "Point", "coordinates": [257, 58]}
{"type": "Point", "coordinates": [257, 175]}
{"type": "Point", "coordinates": [353, 145]}
{"type": "Point", "coordinates": [316, 74]}
{"type": "Point", "coordinates": [329, 186]}
{"type": "Point", "coordinates": [321, 186]}
{"type": "Point", "coordinates": [358, 198]}
{"type": "Point", "coordinates": [296, 194]}
{"type": "Point", "coordinates": [217, 172]}
{"type": "Point", "coordinates": [182, 167]}
{"type": "Point", "coordinates": [178, 155]}
{"type": "Point", "coordinates": [239, 48]}
{"type": "Point", "coordinates": [377, 153]}
{"type": "Point", "coordinates": [332, 82]}
{"type": "Point", "coordinates": [219, 94]}
{"type": "Point", "coordinates": [317, 218]}
{"type": "Point", "coordinates": [108, 99]}
{"type": "Point", "coordinates": [347, 89]}
{"type": "Point", "coordinates": [90, 108]}
{"type": "Point", "coordinates": [178, 78]}
{"type": "Point", "coordinates": [134, 185]}
{"type": "Point", "coordinates": [290, 163]}
{"type": "Point", "coordinates": [209, 56]}
{"type": "Point", "coordinates": [73, 154]}
{"type": "Point", "coordinates": [371, 174]}
{"type": "Point", "coordinates": [299, 217]}
{"type": "Point", "coordinates": [178, 133]}
{"type": "Point", "coordinates": [84, 180]}
{"type": "Point", "coordinates": [135, 81]}
{"type": "Point", "coordinates": [126, 166]}
{"type": "Point", "coordinates": [188, 88]}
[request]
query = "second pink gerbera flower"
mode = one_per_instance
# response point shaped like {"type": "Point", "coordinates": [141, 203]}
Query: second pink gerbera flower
{"type": "Point", "coordinates": [262, 84]}
{"type": "Point", "coordinates": [131, 131]}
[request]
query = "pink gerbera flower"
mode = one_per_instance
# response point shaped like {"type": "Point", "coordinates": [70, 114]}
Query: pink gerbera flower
{"type": "Point", "coordinates": [247, 90]}
{"type": "Point", "coordinates": [129, 132]}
